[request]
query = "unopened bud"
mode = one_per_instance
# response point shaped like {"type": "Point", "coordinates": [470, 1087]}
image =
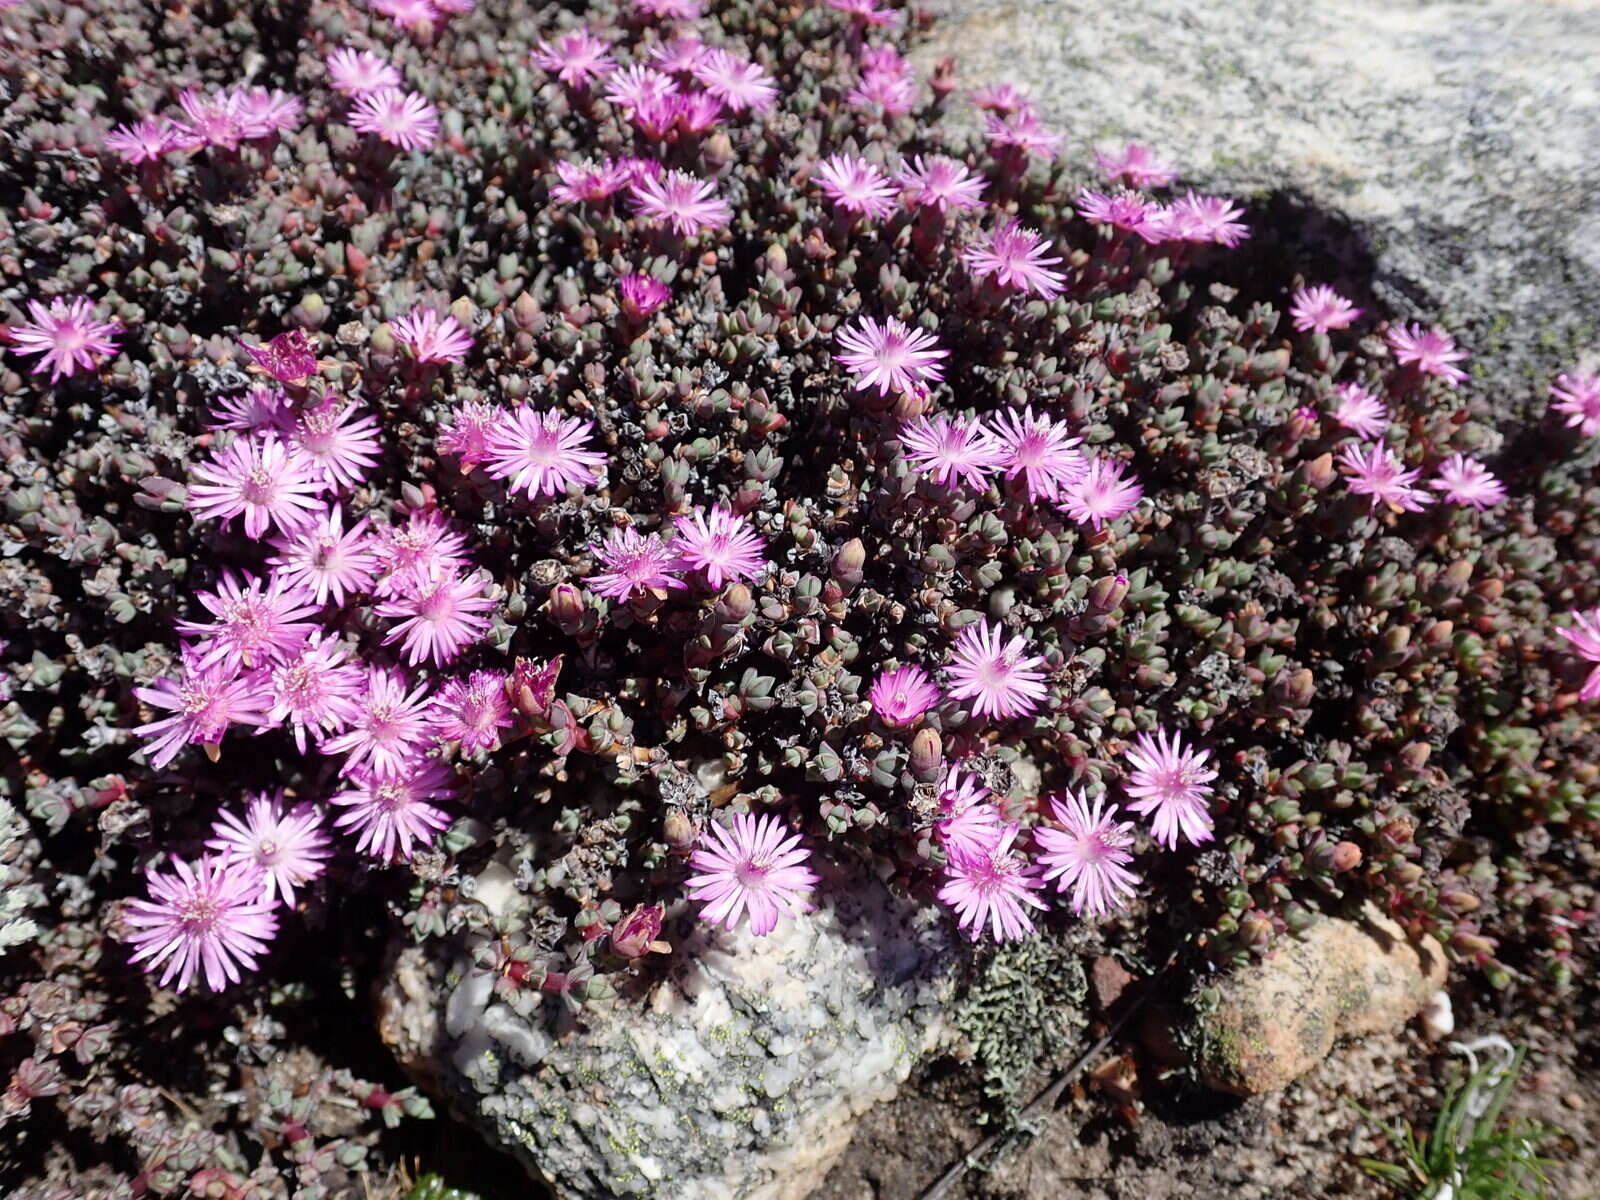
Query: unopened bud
{"type": "Point", "coordinates": [927, 755]}
{"type": "Point", "coordinates": [849, 564]}
{"type": "Point", "coordinates": [565, 607]}
{"type": "Point", "coordinates": [736, 604]}
{"type": "Point", "coordinates": [1108, 593]}
{"type": "Point", "coordinates": [1346, 856]}
{"type": "Point", "coordinates": [677, 830]}
{"type": "Point", "coordinates": [1319, 472]}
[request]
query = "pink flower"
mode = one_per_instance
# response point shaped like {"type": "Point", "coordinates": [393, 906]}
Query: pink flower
{"type": "Point", "coordinates": [258, 410]}
{"type": "Point", "coordinates": [638, 86]}
{"type": "Point", "coordinates": [680, 200]}
{"type": "Point", "coordinates": [994, 889]}
{"type": "Point", "coordinates": [143, 141]}
{"type": "Point", "coordinates": [642, 295]}
{"type": "Point", "coordinates": [969, 823]}
{"type": "Point", "coordinates": [680, 56]}
{"type": "Point", "coordinates": [388, 807]}
{"type": "Point", "coordinates": [1578, 395]}
{"type": "Point", "coordinates": [1000, 98]}
{"type": "Point", "coordinates": [1173, 783]}
{"type": "Point", "coordinates": [1124, 210]}
{"type": "Point", "coordinates": [891, 356]}
{"type": "Point", "coordinates": [720, 544]}
{"type": "Point", "coordinates": [533, 684]}
{"type": "Point", "coordinates": [1016, 258]}
{"type": "Point", "coordinates": [1021, 131]}
{"type": "Point", "coordinates": [575, 59]}
{"type": "Point", "coordinates": [542, 453]}
{"type": "Point", "coordinates": [896, 94]}
{"type": "Point", "coordinates": [635, 563]}
{"type": "Point", "coordinates": [288, 358]}
{"type": "Point", "coordinates": [1101, 494]}
{"type": "Point", "coordinates": [1466, 481]}
{"type": "Point", "coordinates": [866, 12]}
{"type": "Point", "coordinates": [884, 60]}
{"type": "Point", "coordinates": [426, 546]}
{"type": "Point", "coordinates": [739, 84]}
{"type": "Point", "coordinates": [389, 725]}
{"type": "Point", "coordinates": [65, 335]}
{"type": "Point", "coordinates": [1134, 165]}
{"type": "Point", "coordinates": [1001, 679]}
{"type": "Point", "coordinates": [356, 71]}
{"type": "Point", "coordinates": [340, 442]}
{"type": "Point", "coordinates": [262, 112]}
{"type": "Point", "coordinates": [287, 849]}
{"type": "Point", "coordinates": [1375, 471]}
{"type": "Point", "coordinates": [952, 451]}
{"type": "Point", "coordinates": [403, 119]}
{"type": "Point", "coordinates": [1585, 640]}
{"type": "Point", "coordinates": [1197, 218]}
{"type": "Point", "coordinates": [588, 182]}
{"type": "Point", "coordinates": [1431, 352]}
{"type": "Point", "coordinates": [855, 185]}
{"type": "Point", "coordinates": [209, 121]}
{"type": "Point", "coordinates": [900, 696]}
{"type": "Point", "coordinates": [325, 559]}
{"type": "Point", "coordinates": [257, 621]}
{"type": "Point", "coordinates": [755, 868]}
{"type": "Point", "coordinates": [1090, 855]}
{"type": "Point", "coordinates": [408, 14]}
{"type": "Point", "coordinates": [472, 711]}
{"type": "Point", "coordinates": [1320, 308]}
{"type": "Point", "coordinates": [201, 916]}
{"type": "Point", "coordinates": [204, 701]}
{"type": "Point", "coordinates": [671, 10]}
{"type": "Point", "coordinates": [430, 337]}
{"type": "Point", "coordinates": [1360, 411]}
{"type": "Point", "coordinates": [942, 184]}
{"type": "Point", "coordinates": [1040, 450]}
{"type": "Point", "coordinates": [467, 434]}
{"type": "Point", "coordinates": [441, 617]}
{"type": "Point", "coordinates": [262, 480]}
{"type": "Point", "coordinates": [315, 688]}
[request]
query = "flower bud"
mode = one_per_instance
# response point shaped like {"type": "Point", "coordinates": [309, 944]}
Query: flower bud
{"type": "Point", "coordinates": [736, 604]}
{"type": "Point", "coordinates": [565, 607]}
{"type": "Point", "coordinates": [927, 755]}
{"type": "Point", "coordinates": [635, 935]}
{"type": "Point", "coordinates": [849, 564]}
{"type": "Point", "coordinates": [1346, 856]}
{"type": "Point", "coordinates": [677, 830]}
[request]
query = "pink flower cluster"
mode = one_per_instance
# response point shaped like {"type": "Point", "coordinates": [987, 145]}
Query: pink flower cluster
{"type": "Point", "coordinates": [716, 546]}
{"type": "Point", "coordinates": [1375, 471]}
{"type": "Point", "coordinates": [219, 120]}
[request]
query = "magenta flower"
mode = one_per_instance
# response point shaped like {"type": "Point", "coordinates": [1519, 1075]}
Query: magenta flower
{"type": "Point", "coordinates": [739, 84]}
{"type": "Point", "coordinates": [1001, 679]}
{"type": "Point", "coordinates": [288, 358]}
{"type": "Point", "coordinates": [1467, 482]}
{"type": "Point", "coordinates": [639, 86]}
{"type": "Point", "coordinates": [635, 563]}
{"type": "Point", "coordinates": [891, 356]}
{"type": "Point", "coordinates": [719, 543]}
{"type": "Point", "coordinates": [466, 434]}
{"type": "Point", "coordinates": [1124, 210]}
{"type": "Point", "coordinates": [355, 72]}
{"type": "Point", "coordinates": [952, 451]}
{"type": "Point", "coordinates": [65, 335]}
{"type": "Point", "coordinates": [472, 711]}
{"type": "Point", "coordinates": [1040, 450]}
{"type": "Point", "coordinates": [855, 185]}
{"type": "Point", "coordinates": [1000, 98]}
{"type": "Point", "coordinates": [942, 184]}
{"type": "Point", "coordinates": [969, 824]}
{"type": "Point", "coordinates": [543, 453]}
{"type": "Point", "coordinates": [262, 112]}
{"type": "Point", "coordinates": [1089, 855]}
{"type": "Point", "coordinates": [1197, 218]}
{"type": "Point", "coordinates": [260, 479]}
{"type": "Point", "coordinates": [1016, 258]}
{"type": "Point", "coordinates": [1102, 493]}
{"type": "Point", "coordinates": [1585, 639]}
{"type": "Point", "coordinates": [208, 121]}
{"type": "Point", "coordinates": [575, 58]}
{"type": "Point", "coordinates": [203, 701]}
{"type": "Point", "coordinates": [408, 14]}
{"type": "Point", "coordinates": [755, 868]}
{"type": "Point", "coordinates": [994, 889]}
{"type": "Point", "coordinates": [261, 408]}
{"type": "Point", "coordinates": [588, 182]}
{"type": "Point", "coordinates": [287, 849]}
{"type": "Point", "coordinates": [1428, 350]}
{"type": "Point", "coordinates": [866, 12]}
{"type": "Point", "coordinates": [680, 56]}
{"type": "Point", "coordinates": [1320, 308]}
{"type": "Point", "coordinates": [671, 10]}
{"type": "Point", "coordinates": [440, 617]}
{"type": "Point", "coordinates": [388, 809]}
{"type": "Point", "coordinates": [339, 440]}
{"type": "Point", "coordinates": [325, 559]}
{"type": "Point", "coordinates": [426, 546]}
{"type": "Point", "coordinates": [1134, 165]}
{"type": "Point", "coordinates": [1578, 395]}
{"type": "Point", "coordinates": [143, 141]}
{"type": "Point", "coordinates": [680, 200]}
{"type": "Point", "coordinates": [1171, 783]}
{"type": "Point", "coordinates": [1375, 471]}
{"type": "Point", "coordinates": [430, 337]}
{"type": "Point", "coordinates": [1360, 411]}
{"type": "Point", "coordinates": [895, 93]}
{"type": "Point", "coordinates": [205, 916]}
{"type": "Point", "coordinates": [1021, 131]}
{"type": "Point", "coordinates": [642, 295]}
{"type": "Point", "coordinates": [315, 688]}
{"type": "Point", "coordinates": [900, 696]}
{"type": "Point", "coordinates": [257, 621]}
{"type": "Point", "coordinates": [403, 119]}
{"type": "Point", "coordinates": [389, 725]}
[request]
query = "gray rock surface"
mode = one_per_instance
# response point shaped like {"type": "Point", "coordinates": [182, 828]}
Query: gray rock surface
{"type": "Point", "coordinates": [1461, 139]}
{"type": "Point", "coordinates": [741, 1073]}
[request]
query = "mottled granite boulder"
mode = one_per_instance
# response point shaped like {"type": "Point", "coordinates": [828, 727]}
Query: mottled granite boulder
{"type": "Point", "coordinates": [1462, 141]}
{"type": "Point", "coordinates": [740, 1073]}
